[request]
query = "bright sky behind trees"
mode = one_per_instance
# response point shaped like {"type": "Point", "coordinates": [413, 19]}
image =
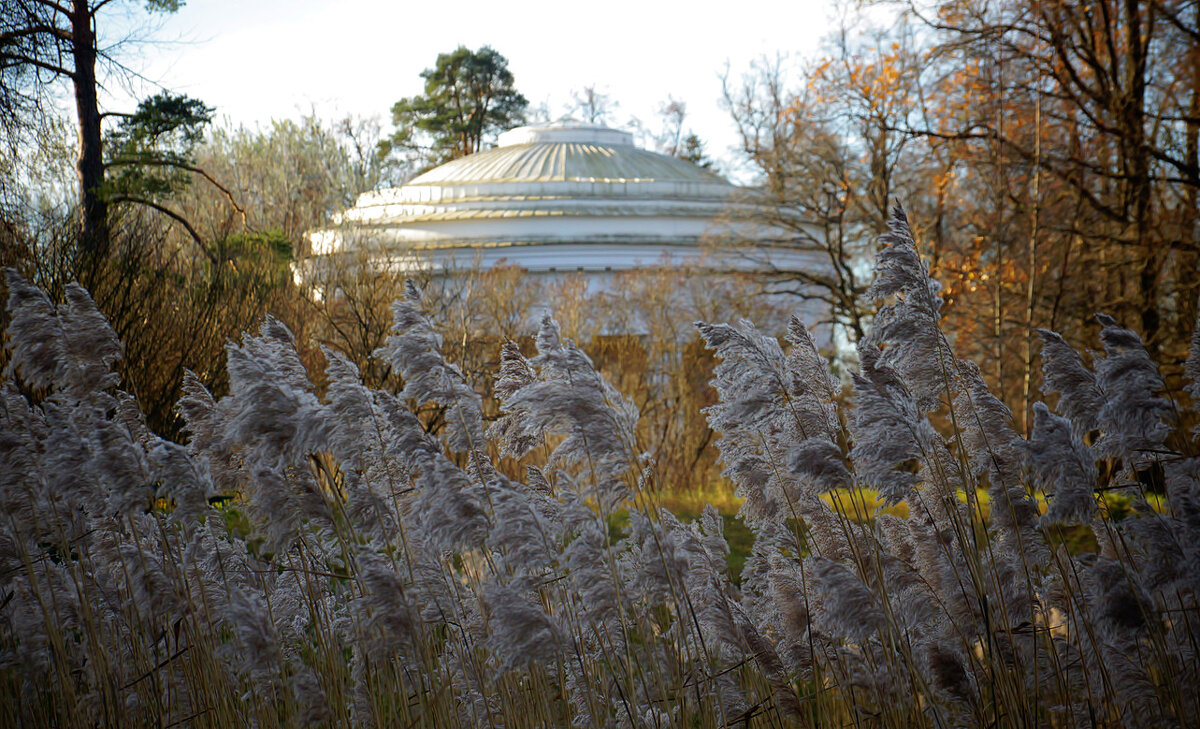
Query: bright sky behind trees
{"type": "Point", "coordinates": [260, 59]}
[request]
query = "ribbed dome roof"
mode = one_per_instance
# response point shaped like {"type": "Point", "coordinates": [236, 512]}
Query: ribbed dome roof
{"type": "Point", "coordinates": [565, 152]}
{"type": "Point", "coordinates": [545, 190]}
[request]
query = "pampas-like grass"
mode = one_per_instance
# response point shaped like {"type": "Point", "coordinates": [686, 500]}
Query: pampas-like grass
{"type": "Point", "coordinates": [1064, 373]}
{"type": "Point", "coordinates": [330, 560]}
{"type": "Point", "coordinates": [1133, 419]}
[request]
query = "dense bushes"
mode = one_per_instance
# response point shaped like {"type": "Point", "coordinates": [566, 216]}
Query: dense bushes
{"type": "Point", "coordinates": [308, 560]}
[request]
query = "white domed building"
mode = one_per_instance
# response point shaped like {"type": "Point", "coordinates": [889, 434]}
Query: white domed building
{"type": "Point", "coordinates": [554, 199]}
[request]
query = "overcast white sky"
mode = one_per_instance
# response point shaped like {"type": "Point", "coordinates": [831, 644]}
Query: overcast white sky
{"type": "Point", "coordinates": [260, 59]}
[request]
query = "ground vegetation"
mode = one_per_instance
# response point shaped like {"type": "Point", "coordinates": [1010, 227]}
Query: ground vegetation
{"type": "Point", "coordinates": [327, 560]}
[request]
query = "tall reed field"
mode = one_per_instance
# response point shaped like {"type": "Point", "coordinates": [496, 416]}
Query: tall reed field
{"type": "Point", "coordinates": [330, 561]}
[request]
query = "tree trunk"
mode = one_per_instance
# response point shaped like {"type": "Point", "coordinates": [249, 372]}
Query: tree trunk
{"type": "Point", "coordinates": [1191, 207]}
{"type": "Point", "coordinates": [94, 209]}
{"type": "Point", "coordinates": [1136, 166]}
